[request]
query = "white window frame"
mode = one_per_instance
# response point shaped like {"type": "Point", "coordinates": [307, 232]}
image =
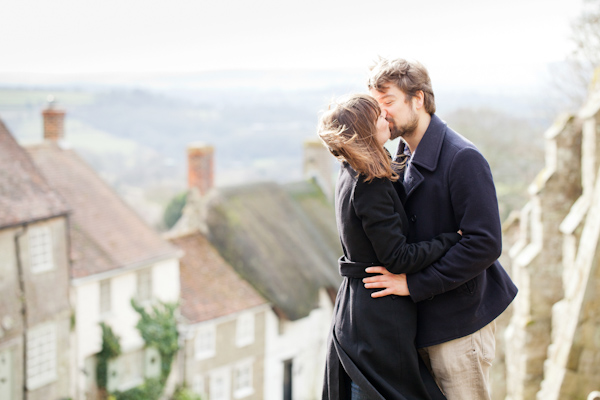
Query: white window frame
{"type": "Point", "coordinates": [41, 255]}
{"type": "Point", "coordinates": [205, 341]}
{"type": "Point", "coordinates": [220, 384]}
{"type": "Point", "coordinates": [244, 329]}
{"type": "Point", "coordinates": [242, 379]}
{"type": "Point", "coordinates": [105, 300]}
{"type": "Point", "coordinates": [41, 355]}
{"type": "Point", "coordinates": [144, 284]}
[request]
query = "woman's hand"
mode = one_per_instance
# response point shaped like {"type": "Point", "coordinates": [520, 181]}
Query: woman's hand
{"type": "Point", "coordinates": [391, 283]}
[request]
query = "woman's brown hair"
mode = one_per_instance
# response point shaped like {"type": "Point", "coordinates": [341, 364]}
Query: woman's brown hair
{"type": "Point", "coordinates": [348, 130]}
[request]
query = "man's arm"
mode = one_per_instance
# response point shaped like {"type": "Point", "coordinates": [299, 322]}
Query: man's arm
{"type": "Point", "coordinates": [475, 206]}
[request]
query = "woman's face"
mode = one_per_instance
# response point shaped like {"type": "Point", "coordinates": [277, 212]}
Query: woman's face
{"type": "Point", "coordinates": [382, 129]}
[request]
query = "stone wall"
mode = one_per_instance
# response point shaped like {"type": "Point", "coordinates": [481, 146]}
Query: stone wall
{"type": "Point", "coordinates": [553, 337]}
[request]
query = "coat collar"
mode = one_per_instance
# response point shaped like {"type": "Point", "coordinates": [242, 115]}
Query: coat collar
{"type": "Point", "coordinates": [427, 155]}
{"type": "Point", "coordinates": [430, 146]}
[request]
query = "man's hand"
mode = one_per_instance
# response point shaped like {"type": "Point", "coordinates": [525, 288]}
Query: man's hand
{"type": "Point", "coordinates": [391, 283]}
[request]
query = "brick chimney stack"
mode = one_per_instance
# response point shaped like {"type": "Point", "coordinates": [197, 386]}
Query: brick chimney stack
{"type": "Point", "coordinates": [200, 167]}
{"type": "Point", "coordinates": [53, 121]}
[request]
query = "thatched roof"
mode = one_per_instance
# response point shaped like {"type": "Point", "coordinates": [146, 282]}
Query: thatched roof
{"type": "Point", "coordinates": [281, 239]}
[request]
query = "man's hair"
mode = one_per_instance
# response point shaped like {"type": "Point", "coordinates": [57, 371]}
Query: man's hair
{"type": "Point", "coordinates": [408, 76]}
{"type": "Point", "coordinates": [348, 129]}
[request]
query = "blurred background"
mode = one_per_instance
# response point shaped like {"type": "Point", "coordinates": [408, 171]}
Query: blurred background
{"type": "Point", "coordinates": [216, 277]}
{"type": "Point", "coordinates": [140, 80]}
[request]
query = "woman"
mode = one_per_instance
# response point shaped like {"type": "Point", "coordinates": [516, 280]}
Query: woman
{"type": "Point", "coordinates": [371, 351]}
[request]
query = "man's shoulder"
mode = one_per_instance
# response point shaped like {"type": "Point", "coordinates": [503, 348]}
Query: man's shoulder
{"type": "Point", "coordinates": [456, 141]}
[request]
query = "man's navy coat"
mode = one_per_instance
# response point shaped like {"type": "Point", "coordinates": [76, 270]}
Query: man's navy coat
{"type": "Point", "coordinates": [448, 186]}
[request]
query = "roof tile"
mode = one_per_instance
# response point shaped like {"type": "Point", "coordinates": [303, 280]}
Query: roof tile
{"type": "Point", "coordinates": [24, 194]}
{"type": "Point", "coordinates": [210, 287]}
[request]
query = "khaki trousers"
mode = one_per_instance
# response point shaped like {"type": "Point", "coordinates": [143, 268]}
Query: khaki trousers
{"type": "Point", "coordinates": [461, 367]}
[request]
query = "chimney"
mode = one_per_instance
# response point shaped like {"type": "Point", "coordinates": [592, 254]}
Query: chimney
{"type": "Point", "coordinates": [318, 165]}
{"type": "Point", "coordinates": [200, 167]}
{"type": "Point", "coordinates": [53, 121]}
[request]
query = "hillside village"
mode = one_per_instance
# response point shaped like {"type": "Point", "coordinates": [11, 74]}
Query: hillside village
{"type": "Point", "coordinates": [97, 303]}
{"type": "Point", "coordinates": [235, 301]}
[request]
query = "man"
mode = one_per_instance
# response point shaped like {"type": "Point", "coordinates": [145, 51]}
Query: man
{"type": "Point", "coordinates": [448, 187]}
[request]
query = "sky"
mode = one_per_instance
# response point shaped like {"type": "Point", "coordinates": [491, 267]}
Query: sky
{"type": "Point", "coordinates": [462, 42]}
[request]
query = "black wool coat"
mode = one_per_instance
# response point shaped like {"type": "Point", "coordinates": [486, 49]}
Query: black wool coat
{"type": "Point", "coordinates": [372, 341]}
{"type": "Point", "coordinates": [449, 186]}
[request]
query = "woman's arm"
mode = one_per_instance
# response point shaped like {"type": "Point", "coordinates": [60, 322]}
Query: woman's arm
{"type": "Point", "coordinates": [374, 205]}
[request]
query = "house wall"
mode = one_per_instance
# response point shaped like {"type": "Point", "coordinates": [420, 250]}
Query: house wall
{"type": "Point", "coordinates": [198, 372]}
{"type": "Point", "coordinates": [304, 342]}
{"type": "Point", "coordinates": [46, 304]}
{"type": "Point", "coordinates": [122, 317]}
{"type": "Point", "coordinates": [11, 320]}
{"type": "Point", "coordinates": [11, 326]}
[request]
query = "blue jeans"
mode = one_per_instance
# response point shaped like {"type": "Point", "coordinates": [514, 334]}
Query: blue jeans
{"type": "Point", "coordinates": [357, 393]}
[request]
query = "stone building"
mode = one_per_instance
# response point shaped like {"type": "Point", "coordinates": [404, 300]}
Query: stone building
{"type": "Point", "coordinates": [317, 166]}
{"type": "Point", "coordinates": [223, 326]}
{"type": "Point", "coordinates": [35, 313]}
{"type": "Point", "coordinates": [115, 257]}
{"type": "Point", "coordinates": [553, 338]}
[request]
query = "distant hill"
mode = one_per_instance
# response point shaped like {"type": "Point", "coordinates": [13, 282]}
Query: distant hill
{"type": "Point", "coordinates": [135, 131]}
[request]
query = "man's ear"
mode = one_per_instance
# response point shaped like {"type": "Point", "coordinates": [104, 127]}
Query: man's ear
{"type": "Point", "coordinates": [419, 99]}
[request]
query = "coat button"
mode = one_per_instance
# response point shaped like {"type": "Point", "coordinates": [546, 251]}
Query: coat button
{"type": "Point", "coordinates": [413, 218]}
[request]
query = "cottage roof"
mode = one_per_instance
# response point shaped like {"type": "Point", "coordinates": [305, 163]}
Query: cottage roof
{"type": "Point", "coordinates": [281, 239]}
{"type": "Point", "coordinates": [106, 233]}
{"type": "Point", "coordinates": [210, 287]}
{"type": "Point", "coordinates": [24, 194]}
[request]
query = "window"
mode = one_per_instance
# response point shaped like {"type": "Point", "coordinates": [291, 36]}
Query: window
{"type": "Point", "coordinates": [198, 385]}
{"type": "Point", "coordinates": [41, 355]}
{"type": "Point", "coordinates": [40, 249]}
{"type": "Point", "coordinates": [244, 334]}
{"type": "Point", "coordinates": [242, 380]}
{"type": "Point", "coordinates": [220, 381]}
{"type": "Point", "coordinates": [144, 284]}
{"type": "Point", "coordinates": [205, 342]}
{"type": "Point", "coordinates": [105, 304]}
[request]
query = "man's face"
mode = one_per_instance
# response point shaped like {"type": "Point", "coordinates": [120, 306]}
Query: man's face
{"type": "Point", "coordinates": [401, 115]}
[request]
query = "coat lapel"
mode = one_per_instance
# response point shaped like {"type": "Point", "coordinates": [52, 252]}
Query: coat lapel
{"type": "Point", "coordinates": [427, 155]}
{"type": "Point", "coordinates": [412, 179]}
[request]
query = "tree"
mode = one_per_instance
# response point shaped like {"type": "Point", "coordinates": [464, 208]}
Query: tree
{"type": "Point", "coordinates": [573, 81]}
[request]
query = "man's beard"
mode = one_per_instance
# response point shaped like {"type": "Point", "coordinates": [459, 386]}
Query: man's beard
{"type": "Point", "coordinates": [405, 130]}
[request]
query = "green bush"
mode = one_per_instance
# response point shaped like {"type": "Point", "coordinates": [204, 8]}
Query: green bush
{"type": "Point", "coordinates": [151, 389]}
{"type": "Point", "coordinates": [111, 348]}
{"type": "Point", "coordinates": [174, 209]}
{"type": "Point", "coordinates": [184, 393]}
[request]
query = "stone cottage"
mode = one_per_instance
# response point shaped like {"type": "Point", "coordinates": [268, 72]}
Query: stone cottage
{"type": "Point", "coordinates": [36, 319]}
